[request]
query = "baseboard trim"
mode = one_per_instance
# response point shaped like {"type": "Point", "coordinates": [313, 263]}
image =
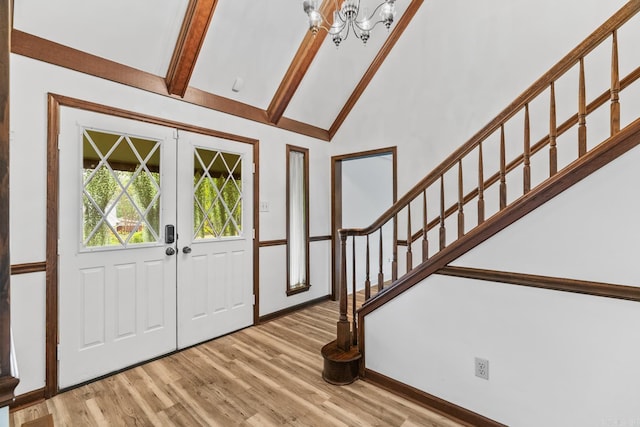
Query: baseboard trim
{"type": "Point", "coordinates": [27, 399]}
{"type": "Point", "coordinates": [448, 409]}
{"type": "Point", "coordinates": [289, 310]}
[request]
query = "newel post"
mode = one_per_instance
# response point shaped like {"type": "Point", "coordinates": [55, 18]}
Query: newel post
{"type": "Point", "coordinates": [344, 330]}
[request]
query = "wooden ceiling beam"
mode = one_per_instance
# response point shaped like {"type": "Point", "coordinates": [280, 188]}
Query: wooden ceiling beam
{"type": "Point", "coordinates": [192, 34]}
{"type": "Point", "coordinates": [397, 31]}
{"type": "Point", "coordinates": [44, 50]}
{"type": "Point", "coordinates": [298, 67]}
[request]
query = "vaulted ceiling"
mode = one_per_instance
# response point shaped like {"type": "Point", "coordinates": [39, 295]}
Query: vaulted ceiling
{"type": "Point", "coordinates": [196, 49]}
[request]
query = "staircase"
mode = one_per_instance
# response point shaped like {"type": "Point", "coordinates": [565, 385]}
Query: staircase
{"type": "Point", "coordinates": [433, 217]}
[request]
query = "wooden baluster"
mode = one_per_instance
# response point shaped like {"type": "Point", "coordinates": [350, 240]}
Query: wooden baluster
{"type": "Point", "coordinates": [526, 174]}
{"type": "Point", "coordinates": [367, 281]}
{"type": "Point", "coordinates": [615, 87]}
{"type": "Point", "coordinates": [480, 185]}
{"type": "Point", "coordinates": [394, 259]}
{"type": "Point", "coordinates": [460, 201]}
{"type": "Point", "coordinates": [409, 240]}
{"type": "Point", "coordinates": [503, 169]}
{"type": "Point", "coordinates": [344, 332]}
{"type": "Point", "coordinates": [425, 226]}
{"type": "Point", "coordinates": [553, 133]}
{"type": "Point", "coordinates": [582, 113]}
{"type": "Point", "coordinates": [354, 329]}
{"type": "Point", "coordinates": [380, 271]}
{"type": "Point", "coordinates": [443, 231]}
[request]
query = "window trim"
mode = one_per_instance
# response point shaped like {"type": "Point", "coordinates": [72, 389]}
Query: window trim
{"type": "Point", "coordinates": [305, 152]}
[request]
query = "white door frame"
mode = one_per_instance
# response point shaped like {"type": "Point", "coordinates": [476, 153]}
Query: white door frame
{"type": "Point", "coordinates": [55, 102]}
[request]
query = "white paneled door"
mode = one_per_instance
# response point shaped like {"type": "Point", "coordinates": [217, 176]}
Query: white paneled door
{"type": "Point", "coordinates": [215, 242]}
{"type": "Point", "coordinates": [155, 242]}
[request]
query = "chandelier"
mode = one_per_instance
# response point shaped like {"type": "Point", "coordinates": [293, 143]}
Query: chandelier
{"type": "Point", "coordinates": [347, 19]}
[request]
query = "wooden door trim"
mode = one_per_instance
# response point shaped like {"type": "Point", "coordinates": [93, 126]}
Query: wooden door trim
{"type": "Point", "coordinates": [8, 382]}
{"type": "Point", "coordinates": [336, 199]}
{"type": "Point", "coordinates": [53, 167]}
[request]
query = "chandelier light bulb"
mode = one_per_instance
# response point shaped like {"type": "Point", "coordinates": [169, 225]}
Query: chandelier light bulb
{"type": "Point", "coordinates": [315, 21]}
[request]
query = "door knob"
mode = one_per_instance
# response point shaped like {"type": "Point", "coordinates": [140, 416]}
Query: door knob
{"type": "Point", "coordinates": [170, 251]}
{"type": "Point", "coordinates": [186, 250]}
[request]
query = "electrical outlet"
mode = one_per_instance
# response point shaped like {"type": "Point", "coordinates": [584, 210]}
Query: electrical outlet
{"type": "Point", "coordinates": [482, 368]}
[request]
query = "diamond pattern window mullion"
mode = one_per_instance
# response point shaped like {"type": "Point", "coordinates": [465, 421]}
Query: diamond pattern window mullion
{"type": "Point", "coordinates": [122, 197]}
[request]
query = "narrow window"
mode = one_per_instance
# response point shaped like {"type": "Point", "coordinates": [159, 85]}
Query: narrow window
{"type": "Point", "coordinates": [297, 219]}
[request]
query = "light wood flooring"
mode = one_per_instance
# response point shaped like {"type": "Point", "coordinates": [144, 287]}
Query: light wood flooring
{"type": "Point", "coordinates": [267, 375]}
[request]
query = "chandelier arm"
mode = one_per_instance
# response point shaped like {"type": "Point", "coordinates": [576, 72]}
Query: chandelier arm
{"type": "Point", "coordinates": [346, 35]}
{"type": "Point", "coordinates": [357, 24]}
{"type": "Point", "coordinates": [374, 12]}
{"type": "Point", "coordinates": [331, 31]}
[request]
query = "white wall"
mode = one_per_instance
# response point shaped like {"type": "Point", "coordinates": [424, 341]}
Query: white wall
{"type": "Point", "coordinates": [556, 358]}
{"type": "Point", "coordinates": [31, 80]}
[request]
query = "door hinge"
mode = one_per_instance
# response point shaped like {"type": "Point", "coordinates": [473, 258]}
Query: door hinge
{"type": "Point", "coordinates": [58, 352]}
{"type": "Point", "coordinates": [58, 247]}
{"type": "Point", "coordinates": [253, 168]}
{"type": "Point", "coordinates": [254, 299]}
{"type": "Point", "coordinates": [253, 232]}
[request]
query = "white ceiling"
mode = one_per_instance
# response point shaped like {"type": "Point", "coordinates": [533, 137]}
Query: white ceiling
{"type": "Point", "coordinates": [139, 33]}
{"type": "Point", "coordinates": [255, 40]}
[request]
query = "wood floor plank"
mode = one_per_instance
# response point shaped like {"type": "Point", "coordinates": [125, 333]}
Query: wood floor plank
{"type": "Point", "coordinates": [266, 375]}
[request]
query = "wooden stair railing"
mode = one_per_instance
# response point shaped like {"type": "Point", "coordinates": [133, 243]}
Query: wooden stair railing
{"type": "Point", "coordinates": [341, 357]}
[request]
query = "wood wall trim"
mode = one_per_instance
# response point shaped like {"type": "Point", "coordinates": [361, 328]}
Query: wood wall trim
{"type": "Point", "coordinates": [269, 243]}
{"type": "Point", "coordinates": [53, 126]}
{"type": "Point", "coordinates": [608, 290]}
{"type": "Point", "coordinates": [190, 40]}
{"type": "Point", "coordinates": [598, 157]}
{"type": "Point", "coordinates": [282, 242]}
{"type": "Point", "coordinates": [289, 310]}
{"type": "Point", "coordinates": [31, 267]}
{"type": "Point", "coordinates": [448, 409]}
{"type": "Point", "coordinates": [298, 68]}
{"type": "Point", "coordinates": [397, 31]}
{"type": "Point", "coordinates": [44, 50]}
{"type": "Point", "coordinates": [27, 399]}
{"type": "Point", "coordinates": [7, 382]}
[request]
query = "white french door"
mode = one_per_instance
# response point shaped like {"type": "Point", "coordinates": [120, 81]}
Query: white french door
{"type": "Point", "coordinates": [215, 223]}
{"type": "Point", "coordinates": [155, 242]}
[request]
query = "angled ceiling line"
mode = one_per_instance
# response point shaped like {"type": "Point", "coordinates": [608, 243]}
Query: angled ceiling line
{"type": "Point", "coordinates": [190, 40]}
{"type": "Point", "coordinates": [299, 66]}
{"type": "Point", "coordinates": [44, 50]}
{"type": "Point", "coordinates": [397, 31]}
